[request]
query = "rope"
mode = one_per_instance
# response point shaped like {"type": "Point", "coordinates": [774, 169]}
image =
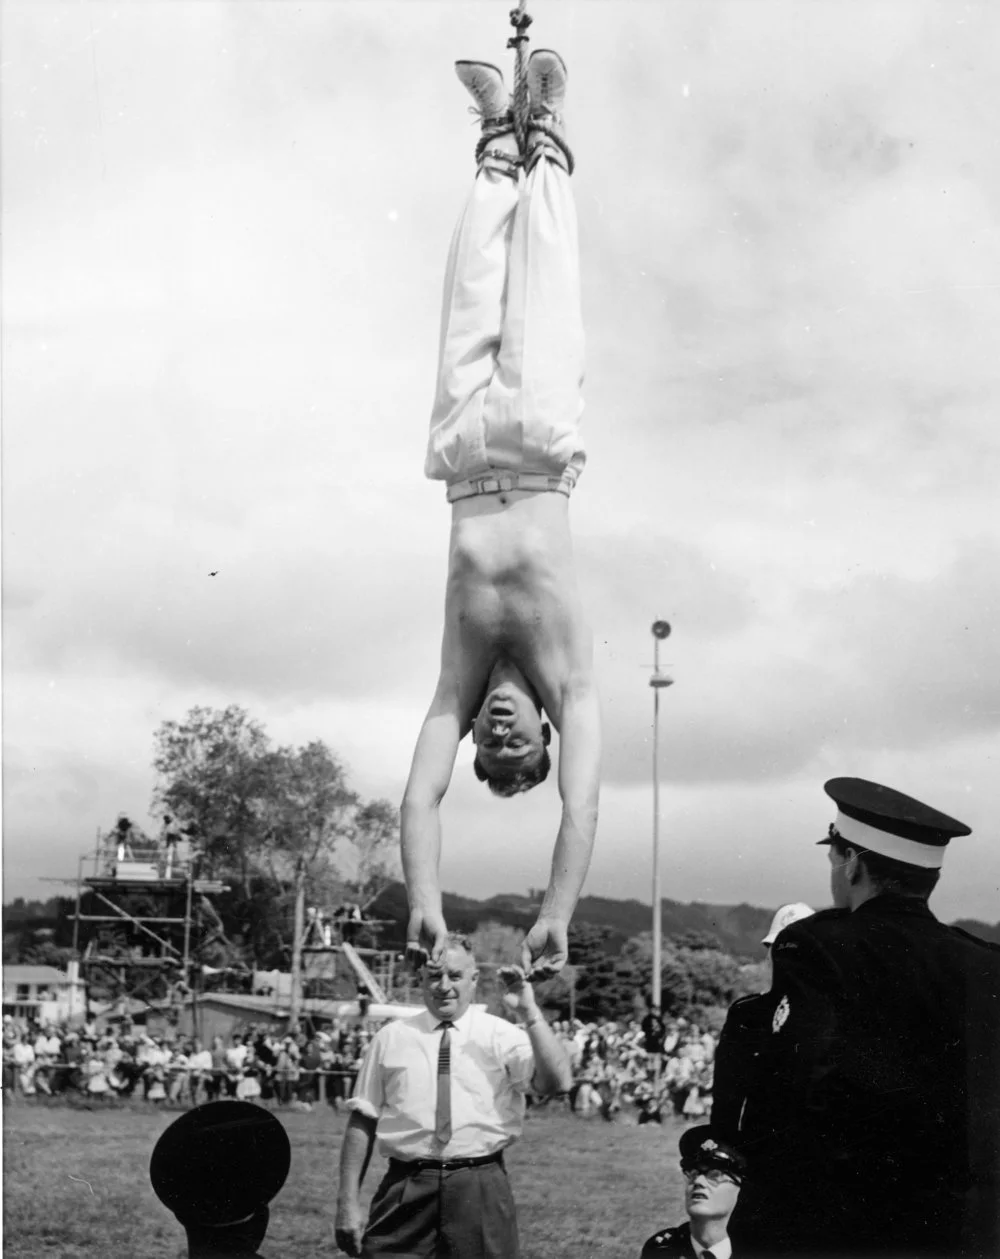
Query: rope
{"type": "Point", "coordinates": [520, 19]}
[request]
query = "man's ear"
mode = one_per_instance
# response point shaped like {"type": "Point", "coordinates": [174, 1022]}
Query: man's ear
{"type": "Point", "coordinates": [546, 733]}
{"type": "Point", "coordinates": [853, 867]}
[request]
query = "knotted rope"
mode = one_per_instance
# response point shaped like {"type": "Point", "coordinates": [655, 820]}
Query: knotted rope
{"type": "Point", "coordinates": [520, 19]}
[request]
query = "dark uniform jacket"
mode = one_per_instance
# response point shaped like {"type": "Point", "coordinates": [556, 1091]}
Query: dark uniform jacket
{"type": "Point", "coordinates": [672, 1243]}
{"type": "Point", "coordinates": [744, 1037]}
{"type": "Point", "coordinates": [873, 1124]}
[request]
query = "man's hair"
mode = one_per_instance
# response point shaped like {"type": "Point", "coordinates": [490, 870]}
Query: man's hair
{"type": "Point", "coordinates": [522, 780]}
{"type": "Point", "coordinates": [889, 875]}
{"type": "Point", "coordinates": [457, 940]}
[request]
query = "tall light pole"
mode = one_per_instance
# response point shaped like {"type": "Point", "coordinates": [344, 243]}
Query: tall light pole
{"type": "Point", "coordinates": [661, 630]}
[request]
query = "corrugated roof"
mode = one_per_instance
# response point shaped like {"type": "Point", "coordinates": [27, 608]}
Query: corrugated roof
{"type": "Point", "coordinates": [34, 975]}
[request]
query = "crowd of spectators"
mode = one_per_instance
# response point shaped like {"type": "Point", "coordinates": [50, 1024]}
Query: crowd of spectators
{"type": "Point", "coordinates": [658, 1071]}
{"type": "Point", "coordinates": [658, 1067]}
{"type": "Point", "coordinates": [129, 1062]}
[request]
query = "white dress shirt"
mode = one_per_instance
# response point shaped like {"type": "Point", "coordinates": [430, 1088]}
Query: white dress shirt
{"type": "Point", "coordinates": [492, 1064]}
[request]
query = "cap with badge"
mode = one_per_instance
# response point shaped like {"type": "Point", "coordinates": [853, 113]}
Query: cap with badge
{"type": "Point", "coordinates": [219, 1164]}
{"type": "Point", "coordinates": [886, 822]}
{"type": "Point", "coordinates": [701, 1148]}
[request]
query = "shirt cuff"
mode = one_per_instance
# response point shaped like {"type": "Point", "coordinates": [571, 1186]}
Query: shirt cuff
{"type": "Point", "coordinates": [362, 1106]}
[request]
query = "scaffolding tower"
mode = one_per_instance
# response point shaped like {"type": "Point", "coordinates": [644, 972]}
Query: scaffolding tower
{"type": "Point", "coordinates": [329, 953]}
{"type": "Point", "coordinates": [143, 894]}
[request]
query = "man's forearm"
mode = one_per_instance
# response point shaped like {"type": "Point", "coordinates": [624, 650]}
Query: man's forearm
{"type": "Point", "coordinates": [570, 863]}
{"type": "Point", "coordinates": [553, 1073]}
{"type": "Point", "coordinates": [355, 1155]}
{"type": "Point", "coordinates": [420, 842]}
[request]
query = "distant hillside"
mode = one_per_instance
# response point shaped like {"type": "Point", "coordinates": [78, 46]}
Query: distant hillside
{"type": "Point", "coordinates": [738, 928]}
{"type": "Point", "coordinates": [981, 929]}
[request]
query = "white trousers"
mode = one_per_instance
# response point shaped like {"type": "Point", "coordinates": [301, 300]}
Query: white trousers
{"type": "Point", "coordinates": [510, 369]}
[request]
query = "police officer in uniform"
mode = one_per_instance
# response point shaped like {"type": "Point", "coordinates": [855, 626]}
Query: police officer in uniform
{"type": "Point", "coordinates": [744, 1037]}
{"type": "Point", "coordinates": [872, 1126]}
{"type": "Point", "coordinates": [217, 1167]}
{"type": "Point", "coordinates": [712, 1172]}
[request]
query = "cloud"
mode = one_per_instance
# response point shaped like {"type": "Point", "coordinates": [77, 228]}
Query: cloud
{"type": "Point", "coordinates": [878, 661]}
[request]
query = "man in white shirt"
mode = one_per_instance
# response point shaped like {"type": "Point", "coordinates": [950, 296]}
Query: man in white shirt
{"type": "Point", "coordinates": [443, 1094]}
{"type": "Point", "coordinates": [200, 1063]}
{"type": "Point", "coordinates": [712, 1172]}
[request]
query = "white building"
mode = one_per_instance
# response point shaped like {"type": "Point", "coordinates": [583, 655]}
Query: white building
{"type": "Point", "coordinates": [44, 993]}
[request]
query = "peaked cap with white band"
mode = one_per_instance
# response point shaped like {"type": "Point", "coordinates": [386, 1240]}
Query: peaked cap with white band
{"type": "Point", "coordinates": [889, 823]}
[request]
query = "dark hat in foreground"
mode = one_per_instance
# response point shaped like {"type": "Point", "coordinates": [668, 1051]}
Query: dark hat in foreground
{"type": "Point", "coordinates": [219, 1163]}
{"type": "Point", "coordinates": [701, 1148]}
{"type": "Point", "coordinates": [889, 823]}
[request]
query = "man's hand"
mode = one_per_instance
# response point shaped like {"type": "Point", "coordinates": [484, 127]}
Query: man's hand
{"type": "Point", "coordinates": [426, 936]}
{"type": "Point", "coordinates": [518, 995]}
{"type": "Point", "coordinates": [545, 949]}
{"type": "Point", "coordinates": [349, 1228]}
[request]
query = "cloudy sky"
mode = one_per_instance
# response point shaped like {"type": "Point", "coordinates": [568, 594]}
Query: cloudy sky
{"type": "Point", "coordinates": [224, 230]}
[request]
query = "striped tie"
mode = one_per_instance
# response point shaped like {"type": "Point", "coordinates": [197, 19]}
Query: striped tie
{"type": "Point", "coordinates": [442, 1115]}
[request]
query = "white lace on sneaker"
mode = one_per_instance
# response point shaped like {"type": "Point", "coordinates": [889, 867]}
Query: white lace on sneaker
{"type": "Point", "coordinates": [484, 83]}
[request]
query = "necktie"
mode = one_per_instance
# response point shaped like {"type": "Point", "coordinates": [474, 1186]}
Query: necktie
{"type": "Point", "coordinates": [442, 1115]}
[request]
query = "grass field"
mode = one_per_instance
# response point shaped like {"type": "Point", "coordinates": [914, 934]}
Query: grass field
{"type": "Point", "coordinates": [76, 1184]}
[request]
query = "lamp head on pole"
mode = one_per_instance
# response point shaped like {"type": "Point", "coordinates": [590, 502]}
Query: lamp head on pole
{"type": "Point", "coordinates": [660, 630]}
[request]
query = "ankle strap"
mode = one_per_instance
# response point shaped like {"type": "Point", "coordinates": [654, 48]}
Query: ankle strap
{"type": "Point", "coordinates": [545, 128]}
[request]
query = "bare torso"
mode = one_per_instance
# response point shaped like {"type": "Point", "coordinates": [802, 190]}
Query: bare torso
{"type": "Point", "coordinates": [512, 594]}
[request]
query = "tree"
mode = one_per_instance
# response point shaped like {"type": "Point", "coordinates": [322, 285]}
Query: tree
{"type": "Point", "coordinates": [308, 809]}
{"type": "Point", "coordinates": [212, 768]}
{"type": "Point", "coordinates": [283, 822]}
{"type": "Point", "coordinates": [368, 858]}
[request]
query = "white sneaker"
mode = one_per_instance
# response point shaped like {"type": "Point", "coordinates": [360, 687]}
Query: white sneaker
{"type": "Point", "coordinates": [486, 87]}
{"type": "Point", "coordinates": [547, 83]}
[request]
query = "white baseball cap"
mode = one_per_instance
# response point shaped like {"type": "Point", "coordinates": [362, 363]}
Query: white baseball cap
{"type": "Point", "coordinates": [784, 917]}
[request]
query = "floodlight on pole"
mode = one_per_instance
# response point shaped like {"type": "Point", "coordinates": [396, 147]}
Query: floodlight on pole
{"type": "Point", "coordinates": [659, 680]}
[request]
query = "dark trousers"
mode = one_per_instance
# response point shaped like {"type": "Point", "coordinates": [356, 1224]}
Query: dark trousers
{"type": "Point", "coordinates": [430, 1213]}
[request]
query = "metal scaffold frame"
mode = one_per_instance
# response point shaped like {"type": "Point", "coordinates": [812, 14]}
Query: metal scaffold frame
{"type": "Point", "coordinates": [123, 871]}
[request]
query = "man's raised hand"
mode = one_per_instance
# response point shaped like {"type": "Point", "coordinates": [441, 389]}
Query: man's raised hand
{"type": "Point", "coordinates": [545, 949]}
{"type": "Point", "coordinates": [426, 936]}
{"type": "Point", "coordinates": [518, 995]}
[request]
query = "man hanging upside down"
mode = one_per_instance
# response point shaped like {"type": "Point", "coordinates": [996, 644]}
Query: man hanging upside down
{"type": "Point", "coordinates": [504, 438]}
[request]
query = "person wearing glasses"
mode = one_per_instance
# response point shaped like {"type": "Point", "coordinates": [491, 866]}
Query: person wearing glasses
{"type": "Point", "coordinates": [712, 1170]}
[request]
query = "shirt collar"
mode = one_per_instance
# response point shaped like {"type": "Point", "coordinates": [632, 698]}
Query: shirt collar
{"type": "Point", "coordinates": [431, 1021]}
{"type": "Point", "coordinates": [721, 1250]}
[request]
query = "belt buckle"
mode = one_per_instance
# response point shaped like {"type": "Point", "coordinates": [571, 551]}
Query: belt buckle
{"type": "Point", "coordinates": [506, 482]}
{"type": "Point", "coordinates": [488, 485]}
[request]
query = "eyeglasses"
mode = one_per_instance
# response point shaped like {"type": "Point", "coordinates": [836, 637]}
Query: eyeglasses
{"type": "Point", "coordinates": [713, 1175]}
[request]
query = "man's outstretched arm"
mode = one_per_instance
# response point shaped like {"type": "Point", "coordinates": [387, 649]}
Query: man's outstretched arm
{"type": "Point", "coordinates": [545, 946]}
{"type": "Point", "coordinates": [420, 821]}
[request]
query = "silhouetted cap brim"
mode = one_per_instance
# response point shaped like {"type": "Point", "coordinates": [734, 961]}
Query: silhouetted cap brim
{"type": "Point", "coordinates": [219, 1163]}
{"type": "Point", "coordinates": [887, 822]}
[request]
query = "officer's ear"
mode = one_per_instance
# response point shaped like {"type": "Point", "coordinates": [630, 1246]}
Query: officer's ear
{"type": "Point", "coordinates": [853, 866]}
